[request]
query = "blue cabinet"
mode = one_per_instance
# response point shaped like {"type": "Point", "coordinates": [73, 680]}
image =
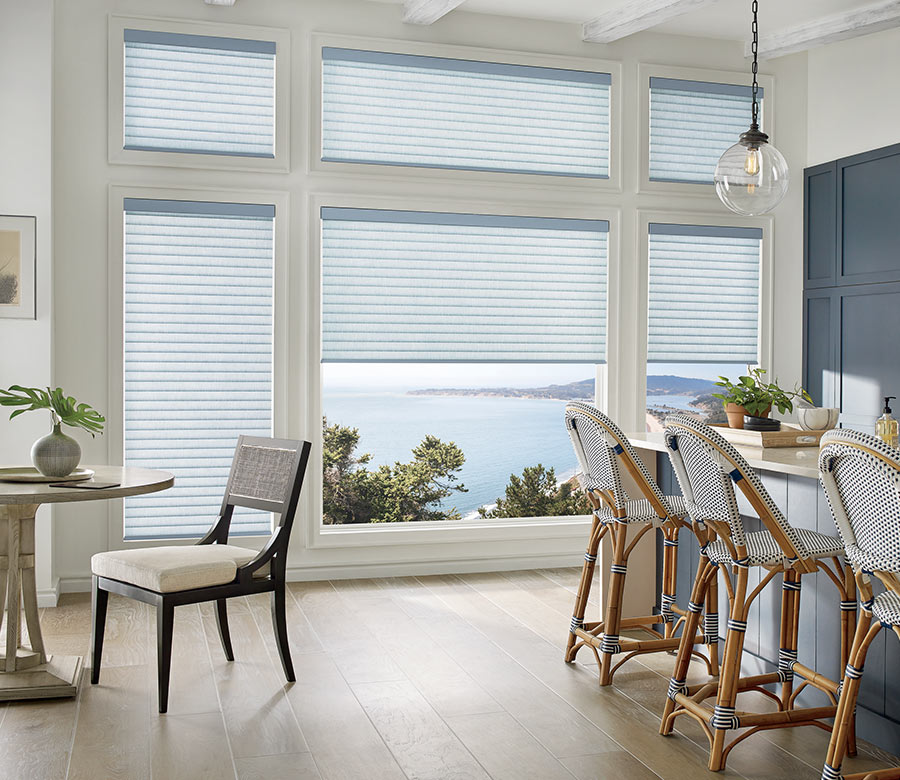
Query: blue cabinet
{"type": "Point", "coordinates": [851, 254]}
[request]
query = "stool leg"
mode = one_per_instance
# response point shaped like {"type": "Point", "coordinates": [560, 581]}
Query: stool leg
{"type": "Point", "coordinates": [705, 573]}
{"type": "Point", "coordinates": [843, 719]}
{"type": "Point", "coordinates": [669, 578]}
{"type": "Point", "coordinates": [848, 624]}
{"type": "Point", "coordinates": [711, 621]}
{"type": "Point", "coordinates": [790, 627]}
{"type": "Point", "coordinates": [613, 615]}
{"type": "Point", "coordinates": [598, 531]}
{"type": "Point", "coordinates": [731, 672]}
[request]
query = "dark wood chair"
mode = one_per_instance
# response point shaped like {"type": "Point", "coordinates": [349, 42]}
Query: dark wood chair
{"type": "Point", "coordinates": [266, 474]}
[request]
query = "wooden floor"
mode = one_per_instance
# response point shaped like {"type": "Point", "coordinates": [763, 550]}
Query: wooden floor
{"type": "Point", "coordinates": [444, 677]}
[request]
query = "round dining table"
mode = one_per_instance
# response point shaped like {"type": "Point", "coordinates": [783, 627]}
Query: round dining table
{"type": "Point", "coordinates": [26, 671]}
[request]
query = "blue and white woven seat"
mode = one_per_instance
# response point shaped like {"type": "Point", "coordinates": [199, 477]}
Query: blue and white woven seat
{"type": "Point", "coordinates": [861, 477]}
{"type": "Point", "coordinates": [709, 471]}
{"type": "Point", "coordinates": [763, 550]}
{"type": "Point", "coordinates": [604, 454]}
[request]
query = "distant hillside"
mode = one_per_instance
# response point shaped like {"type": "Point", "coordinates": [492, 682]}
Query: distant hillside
{"type": "Point", "coordinates": [678, 385]}
{"type": "Point", "coordinates": [576, 391]}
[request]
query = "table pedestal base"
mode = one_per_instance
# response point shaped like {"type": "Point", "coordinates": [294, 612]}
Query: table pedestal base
{"type": "Point", "coordinates": [27, 672]}
{"type": "Point", "coordinates": [58, 678]}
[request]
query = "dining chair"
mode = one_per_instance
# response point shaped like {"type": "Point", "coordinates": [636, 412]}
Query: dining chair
{"type": "Point", "coordinates": [601, 447]}
{"type": "Point", "coordinates": [708, 469]}
{"type": "Point", "coordinates": [266, 474]}
{"type": "Point", "coordinates": [861, 477]}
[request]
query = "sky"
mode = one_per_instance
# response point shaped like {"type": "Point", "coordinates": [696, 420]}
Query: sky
{"type": "Point", "coordinates": [428, 375]}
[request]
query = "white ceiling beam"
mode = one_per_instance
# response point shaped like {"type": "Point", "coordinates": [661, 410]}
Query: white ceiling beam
{"type": "Point", "coordinates": [427, 11]}
{"type": "Point", "coordinates": [828, 29]}
{"type": "Point", "coordinates": [635, 16]}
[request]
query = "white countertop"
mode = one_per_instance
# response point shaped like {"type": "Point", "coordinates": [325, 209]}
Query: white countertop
{"type": "Point", "coordinates": [800, 461]}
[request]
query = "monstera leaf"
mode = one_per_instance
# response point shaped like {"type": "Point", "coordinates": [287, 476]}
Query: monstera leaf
{"type": "Point", "coordinates": [64, 409]}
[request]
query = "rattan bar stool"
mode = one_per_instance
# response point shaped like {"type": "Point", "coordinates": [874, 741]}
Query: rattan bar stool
{"type": "Point", "coordinates": [600, 447]}
{"type": "Point", "coordinates": [708, 468]}
{"type": "Point", "coordinates": [861, 477]}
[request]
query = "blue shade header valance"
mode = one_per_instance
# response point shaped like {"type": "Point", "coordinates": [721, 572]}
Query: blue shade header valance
{"type": "Point", "coordinates": [691, 124]}
{"type": "Point", "coordinates": [401, 109]}
{"type": "Point", "coordinates": [704, 294]}
{"type": "Point", "coordinates": [198, 347]}
{"type": "Point", "coordinates": [401, 286]}
{"type": "Point", "coordinates": [199, 94]}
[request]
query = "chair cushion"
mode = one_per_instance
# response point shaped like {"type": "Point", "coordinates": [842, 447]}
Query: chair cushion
{"type": "Point", "coordinates": [170, 569]}
{"type": "Point", "coordinates": [763, 550]}
{"type": "Point", "coordinates": [642, 511]}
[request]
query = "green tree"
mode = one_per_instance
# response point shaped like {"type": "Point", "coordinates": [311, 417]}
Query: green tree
{"type": "Point", "coordinates": [402, 492]}
{"type": "Point", "coordinates": [537, 494]}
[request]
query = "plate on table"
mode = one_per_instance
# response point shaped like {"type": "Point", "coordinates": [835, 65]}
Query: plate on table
{"type": "Point", "coordinates": [31, 474]}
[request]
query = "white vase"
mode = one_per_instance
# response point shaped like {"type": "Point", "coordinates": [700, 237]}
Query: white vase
{"type": "Point", "coordinates": [56, 455]}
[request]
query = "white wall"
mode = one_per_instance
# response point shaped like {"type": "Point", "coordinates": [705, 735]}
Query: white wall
{"type": "Point", "coordinates": [83, 177]}
{"type": "Point", "coordinates": [853, 105]}
{"type": "Point", "coordinates": [26, 39]}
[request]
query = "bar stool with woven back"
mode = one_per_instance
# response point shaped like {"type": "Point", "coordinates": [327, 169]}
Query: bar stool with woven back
{"type": "Point", "coordinates": [708, 468]}
{"type": "Point", "coordinates": [600, 448]}
{"type": "Point", "coordinates": [861, 477]}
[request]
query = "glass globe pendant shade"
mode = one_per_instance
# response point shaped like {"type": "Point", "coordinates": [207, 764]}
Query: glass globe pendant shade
{"type": "Point", "coordinates": [751, 176]}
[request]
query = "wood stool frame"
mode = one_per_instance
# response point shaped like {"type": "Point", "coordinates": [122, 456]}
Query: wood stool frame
{"type": "Point", "coordinates": [614, 527]}
{"type": "Point", "coordinates": [691, 700]}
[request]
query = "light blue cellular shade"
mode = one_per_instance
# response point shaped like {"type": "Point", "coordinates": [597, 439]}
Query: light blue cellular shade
{"type": "Point", "coordinates": [691, 124]}
{"type": "Point", "coordinates": [199, 94]}
{"type": "Point", "coordinates": [198, 339]}
{"type": "Point", "coordinates": [431, 287]}
{"type": "Point", "coordinates": [704, 294]}
{"type": "Point", "coordinates": [398, 109]}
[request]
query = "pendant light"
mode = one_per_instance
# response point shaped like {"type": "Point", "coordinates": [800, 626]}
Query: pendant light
{"type": "Point", "coordinates": [752, 176]}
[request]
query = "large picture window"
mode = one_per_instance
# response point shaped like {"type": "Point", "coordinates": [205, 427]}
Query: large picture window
{"type": "Point", "coordinates": [449, 347]}
{"type": "Point", "coordinates": [198, 354]}
{"type": "Point", "coordinates": [437, 112]}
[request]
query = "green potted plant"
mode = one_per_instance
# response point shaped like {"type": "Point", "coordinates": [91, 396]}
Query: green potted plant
{"type": "Point", "coordinates": [54, 455]}
{"type": "Point", "coordinates": [752, 395]}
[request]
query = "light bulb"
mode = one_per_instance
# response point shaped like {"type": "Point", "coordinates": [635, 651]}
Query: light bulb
{"type": "Point", "coordinates": [751, 164]}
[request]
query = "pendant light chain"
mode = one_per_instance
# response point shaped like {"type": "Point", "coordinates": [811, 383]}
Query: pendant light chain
{"type": "Point", "coordinates": [754, 46]}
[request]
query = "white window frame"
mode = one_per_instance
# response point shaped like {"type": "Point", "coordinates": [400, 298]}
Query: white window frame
{"type": "Point", "coordinates": [119, 155]}
{"type": "Point", "coordinates": [644, 219]}
{"type": "Point", "coordinates": [417, 174]}
{"type": "Point", "coordinates": [645, 72]}
{"type": "Point", "coordinates": [283, 401]}
{"type": "Point", "coordinates": [438, 532]}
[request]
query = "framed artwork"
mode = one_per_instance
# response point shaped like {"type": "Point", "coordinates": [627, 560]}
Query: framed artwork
{"type": "Point", "coordinates": [18, 267]}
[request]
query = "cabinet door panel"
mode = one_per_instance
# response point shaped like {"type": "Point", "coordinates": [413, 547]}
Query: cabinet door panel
{"type": "Point", "coordinates": [820, 212]}
{"type": "Point", "coordinates": [870, 217]}
{"type": "Point", "coordinates": [870, 368]}
{"type": "Point", "coordinates": [819, 369]}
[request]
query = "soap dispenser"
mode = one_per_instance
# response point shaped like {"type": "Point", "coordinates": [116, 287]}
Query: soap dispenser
{"type": "Point", "coordinates": [886, 427]}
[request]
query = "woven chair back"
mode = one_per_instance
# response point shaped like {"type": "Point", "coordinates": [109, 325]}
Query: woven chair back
{"type": "Point", "coordinates": [861, 478]}
{"type": "Point", "coordinates": [708, 468]}
{"type": "Point", "coordinates": [600, 447]}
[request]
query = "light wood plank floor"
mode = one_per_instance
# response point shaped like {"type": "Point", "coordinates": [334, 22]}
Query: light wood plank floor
{"type": "Point", "coordinates": [444, 677]}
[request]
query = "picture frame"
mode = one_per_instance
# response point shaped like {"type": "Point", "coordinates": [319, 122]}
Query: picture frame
{"type": "Point", "coordinates": [18, 267]}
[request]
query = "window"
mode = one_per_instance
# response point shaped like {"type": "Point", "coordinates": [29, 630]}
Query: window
{"type": "Point", "coordinates": [704, 314]}
{"type": "Point", "coordinates": [198, 347]}
{"type": "Point", "coordinates": [199, 94]}
{"type": "Point", "coordinates": [436, 112]}
{"type": "Point", "coordinates": [449, 348]}
{"type": "Point", "coordinates": [691, 124]}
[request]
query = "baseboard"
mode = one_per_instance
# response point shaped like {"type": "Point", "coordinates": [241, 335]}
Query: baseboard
{"type": "Point", "coordinates": [350, 571]}
{"type": "Point", "coordinates": [49, 597]}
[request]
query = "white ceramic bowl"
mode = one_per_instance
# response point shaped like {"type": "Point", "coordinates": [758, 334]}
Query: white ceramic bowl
{"type": "Point", "coordinates": [817, 418]}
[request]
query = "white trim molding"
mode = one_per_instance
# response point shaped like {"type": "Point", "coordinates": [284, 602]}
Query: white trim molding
{"type": "Point", "coordinates": [828, 29]}
{"type": "Point", "coordinates": [636, 16]}
{"type": "Point", "coordinates": [427, 11]}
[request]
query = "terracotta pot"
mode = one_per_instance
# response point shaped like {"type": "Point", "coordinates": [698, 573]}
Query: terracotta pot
{"type": "Point", "coordinates": [736, 414]}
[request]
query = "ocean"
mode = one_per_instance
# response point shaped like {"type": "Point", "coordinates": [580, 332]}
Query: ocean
{"type": "Point", "coordinates": [499, 436]}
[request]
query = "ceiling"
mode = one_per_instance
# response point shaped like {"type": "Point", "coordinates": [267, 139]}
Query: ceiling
{"type": "Point", "coordinates": [728, 19]}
